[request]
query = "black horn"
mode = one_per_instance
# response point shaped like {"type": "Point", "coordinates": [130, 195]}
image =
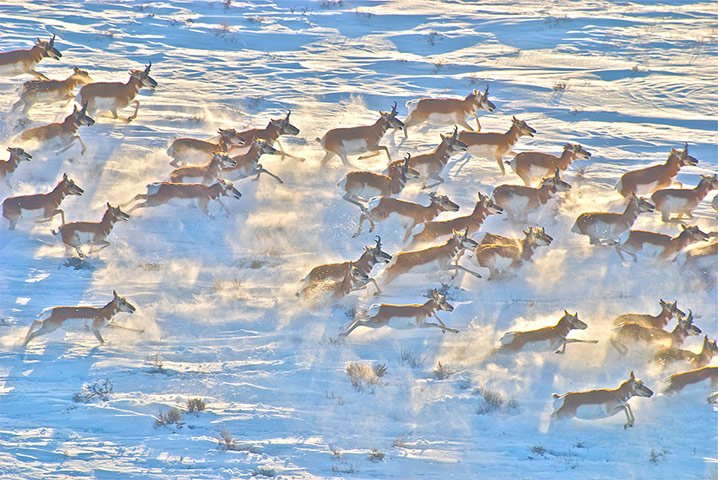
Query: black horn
{"type": "Point", "coordinates": [378, 241]}
{"type": "Point", "coordinates": [147, 68]}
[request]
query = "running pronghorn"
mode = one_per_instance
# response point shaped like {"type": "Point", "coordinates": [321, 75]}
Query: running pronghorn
{"type": "Point", "coordinates": [207, 173]}
{"type": "Point", "coordinates": [607, 226]}
{"type": "Point", "coordinates": [496, 144]}
{"type": "Point", "coordinates": [271, 133]}
{"type": "Point", "coordinates": [669, 355]}
{"type": "Point", "coordinates": [649, 179]}
{"type": "Point", "coordinates": [432, 231]}
{"type": "Point", "coordinates": [357, 140]}
{"type": "Point", "coordinates": [668, 312]}
{"type": "Point", "coordinates": [76, 234]}
{"type": "Point", "coordinates": [510, 253]}
{"type": "Point", "coordinates": [75, 318]}
{"type": "Point", "coordinates": [9, 166]}
{"type": "Point", "coordinates": [544, 339]}
{"type": "Point", "coordinates": [518, 201]}
{"type": "Point", "coordinates": [362, 186]}
{"type": "Point", "coordinates": [432, 259]}
{"type": "Point", "coordinates": [430, 165]}
{"type": "Point", "coordinates": [48, 203]}
{"type": "Point", "coordinates": [183, 149]}
{"type": "Point", "coordinates": [63, 134]}
{"type": "Point", "coordinates": [247, 164]}
{"type": "Point", "coordinates": [658, 245]}
{"type": "Point", "coordinates": [636, 333]}
{"type": "Point", "coordinates": [337, 271]}
{"type": "Point", "coordinates": [50, 91]}
{"type": "Point", "coordinates": [410, 214]}
{"type": "Point", "coordinates": [447, 111]}
{"type": "Point", "coordinates": [679, 381]}
{"type": "Point", "coordinates": [601, 403]}
{"type": "Point", "coordinates": [18, 62]}
{"type": "Point", "coordinates": [162, 192]}
{"type": "Point", "coordinates": [683, 201]}
{"type": "Point", "coordinates": [322, 292]}
{"type": "Point", "coordinates": [530, 165]}
{"type": "Point", "coordinates": [103, 96]}
{"type": "Point", "coordinates": [403, 316]}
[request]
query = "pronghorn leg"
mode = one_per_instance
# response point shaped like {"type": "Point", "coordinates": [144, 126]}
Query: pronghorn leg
{"type": "Point", "coordinates": [67, 147]}
{"type": "Point", "coordinates": [46, 327]}
{"type": "Point", "coordinates": [29, 335]}
{"type": "Point", "coordinates": [575, 340]}
{"type": "Point", "coordinates": [357, 322]}
{"type": "Point", "coordinates": [202, 204]}
{"type": "Point", "coordinates": [478, 124]}
{"type": "Point", "coordinates": [122, 327]}
{"type": "Point", "coordinates": [52, 214]}
{"type": "Point", "coordinates": [281, 148]}
{"type": "Point", "coordinates": [96, 332]}
{"type": "Point", "coordinates": [562, 350]}
{"type": "Point", "coordinates": [262, 170]}
{"type": "Point", "coordinates": [139, 196]}
{"type": "Point", "coordinates": [38, 75]}
{"type": "Point", "coordinates": [633, 255]}
{"type": "Point", "coordinates": [345, 159]}
{"type": "Point", "coordinates": [363, 217]}
{"type": "Point", "coordinates": [620, 348]}
{"type": "Point", "coordinates": [464, 124]}
{"type": "Point", "coordinates": [459, 267]}
{"type": "Point", "coordinates": [84, 149]}
{"type": "Point", "coordinates": [629, 414]}
{"type": "Point", "coordinates": [378, 290]}
{"type": "Point", "coordinates": [13, 221]}
{"type": "Point", "coordinates": [134, 115]}
{"type": "Point", "coordinates": [326, 158]}
{"type": "Point", "coordinates": [224, 207]}
{"type": "Point", "coordinates": [433, 176]}
{"type": "Point", "coordinates": [102, 244]}
{"type": "Point", "coordinates": [352, 199]}
{"type": "Point", "coordinates": [500, 161]}
{"type": "Point", "coordinates": [443, 327]}
{"type": "Point", "coordinates": [16, 106]}
{"type": "Point", "coordinates": [407, 234]}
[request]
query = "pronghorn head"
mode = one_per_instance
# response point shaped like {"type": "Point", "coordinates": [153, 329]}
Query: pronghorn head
{"type": "Point", "coordinates": [671, 308]}
{"type": "Point", "coordinates": [637, 388]}
{"type": "Point", "coordinates": [223, 160]}
{"type": "Point", "coordinates": [390, 118]}
{"type": "Point", "coordinates": [82, 117]}
{"type": "Point", "coordinates": [440, 301]}
{"type": "Point", "coordinates": [18, 154]}
{"type": "Point", "coordinates": [641, 204]}
{"type": "Point", "coordinates": [227, 189]}
{"type": "Point", "coordinates": [81, 76]}
{"type": "Point", "coordinates": [144, 77]}
{"type": "Point", "coordinates": [482, 100]}
{"type": "Point", "coordinates": [264, 147]}
{"type": "Point", "coordinates": [285, 128]}
{"type": "Point", "coordinates": [578, 151]}
{"type": "Point", "coordinates": [710, 180]}
{"type": "Point", "coordinates": [695, 234]}
{"type": "Point", "coordinates": [684, 159]}
{"type": "Point", "coordinates": [379, 255]}
{"type": "Point", "coordinates": [573, 321]}
{"type": "Point", "coordinates": [538, 237]}
{"type": "Point", "coordinates": [452, 141]}
{"type": "Point", "coordinates": [69, 186]}
{"type": "Point", "coordinates": [710, 347]}
{"type": "Point", "coordinates": [463, 239]}
{"type": "Point", "coordinates": [116, 213]}
{"type": "Point", "coordinates": [406, 170]}
{"type": "Point", "coordinates": [229, 136]}
{"type": "Point", "coordinates": [485, 203]}
{"type": "Point", "coordinates": [444, 203]}
{"type": "Point", "coordinates": [522, 127]}
{"type": "Point", "coordinates": [685, 323]}
{"type": "Point", "coordinates": [555, 182]}
{"type": "Point", "coordinates": [48, 48]}
{"type": "Point", "coordinates": [122, 304]}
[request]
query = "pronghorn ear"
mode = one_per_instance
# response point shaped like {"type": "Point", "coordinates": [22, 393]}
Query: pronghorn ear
{"type": "Point", "coordinates": [108, 205]}
{"type": "Point", "coordinates": [566, 312]}
{"type": "Point", "coordinates": [64, 176]}
{"type": "Point", "coordinates": [526, 232]}
{"type": "Point", "coordinates": [75, 69]}
{"type": "Point", "coordinates": [114, 294]}
{"type": "Point", "coordinates": [684, 227]}
{"type": "Point", "coordinates": [9, 149]}
{"type": "Point", "coordinates": [632, 377]}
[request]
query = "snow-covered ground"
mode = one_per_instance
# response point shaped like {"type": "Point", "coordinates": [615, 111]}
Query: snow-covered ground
{"type": "Point", "coordinates": [216, 297]}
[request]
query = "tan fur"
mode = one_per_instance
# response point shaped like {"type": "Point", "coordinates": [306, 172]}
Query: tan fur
{"type": "Point", "coordinates": [669, 355]}
{"type": "Point", "coordinates": [9, 166]}
{"type": "Point", "coordinates": [545, 164]}
{"type": "Point", "coordinates": [667, 313]}
{"type": "Point", "coordinates": [50, 90]}
{"type": "Point", "coordinates": [97, 231]}
{"type": "Point", "coordinates": [643, 242]}
{"type": "Point", "coordinates": [64, 133]}
{"type": "Point", "coordinates": [655, 176]}
{"type": "Point", "coordinates": [679, 381]}
{"type": "Point", "coordinates": [518, 201]}
{"type": "Point", "coordinates": [49, 203]}
{"type": "Point", "coordinates": [458, 109]}
{"type": "Point", "coordinates": [498, 144]}
{"type": "Point", "coordinates": [554, 336]}
{"type": "Point", "coordinates": [517, 250]}
{"type": "Point", "coordinates": [18, 62]}
{"type": "Point", "coordinates": [162, 193]}
{"type": "Point", "coordinates": [607, 226]}
{"type": "Point", "coordinates": [691, 198]}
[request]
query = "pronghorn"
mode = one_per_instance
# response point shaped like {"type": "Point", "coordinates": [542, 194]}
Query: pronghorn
{"type": "Point", "coordinates": [206, 173]}
{"type": "Point", "coordinates": [635, 333]}
{"type": "Point", "coordinates": [71, 318]}
{"type": "Point", "coordinates": [668, 312]}
{"type": "Point", "coordinates": [50, 90]}
{"type": "Point", "coordinates": [600, 403]}
{"type": "Point", "coordinates": [430, 165]}
{"type": "Point", "coordinates": [530, 165]}
{"type": "Point", "coordinates": [683, 201]}
{"type": "Point", "coordinates": [162, 192]}
{"type": "Point", "coordinates": [403, 316]}
{"type": "Point", "coordinates": [8, 166]}
{"type": "Point", "coordinates": [649, 179]}
{"type": "Point", "coordinates": [503, 255]}
{"type": "Point", "coordinates": [700, 264]}
{"type": "Point", "coordinates": [322, 292]}
{"type": "Point", "coordinates": [544, 339]}
{"type": "Point", "coordinates": [271, 133]}
{"type": "Point", "coordinates": [658, 245]}
{"type": "Point", "coordinates": [337, 271]}
{"type": "Point", "coordinates": [49, 203]}
{"type": "Point", "coordinates": [445, 111]}
{"type": "Point", "coordinates": [412, 214]}
{"type": "Point", "coordinates": [18, 62]}
{"type": "Point", "coordinates": [432, 231]}
{"type": "Point", "coordinates": [607, 226]}
{"type": "Point", "coordinates": [247, 164]}
{"type": "Point", "coordinates": [356, 140]}
{"type": "Point", "coordinates": [697, 360]}
{"type": "Point", "coordinates": [183, 149]}
{"type": "Point", "coordinates": [679, 381]}
{"type": "Point", "coordinates": [440, 257]}
{"type": "Point", "coordinates": [103, 96]}
{"type": "Point", "coordinates": [362, 186]}
{"type": "Point", "coordinates": [64, 134]}
{"type": "Point", "coordinates": [496, 144]}
{"type": "Point", "coordinates": [518, 201]}
{"type": "Point", "coordinates": [76, 234]}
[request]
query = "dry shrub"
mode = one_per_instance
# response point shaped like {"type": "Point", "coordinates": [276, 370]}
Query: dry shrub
{"type": "Point", "coordinates": [364, 376]}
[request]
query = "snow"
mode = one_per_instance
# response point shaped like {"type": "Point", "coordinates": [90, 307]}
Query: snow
{"type": "Point", "coordinates": [216, 298]}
